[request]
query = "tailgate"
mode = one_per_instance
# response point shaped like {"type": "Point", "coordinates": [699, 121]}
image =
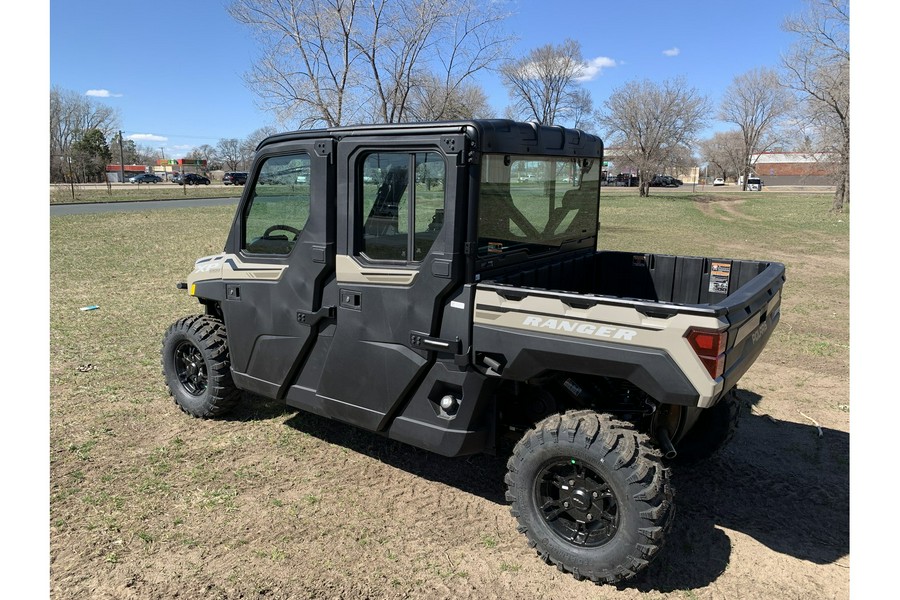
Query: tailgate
{"type": "Point", "coordinates": [752, 313]}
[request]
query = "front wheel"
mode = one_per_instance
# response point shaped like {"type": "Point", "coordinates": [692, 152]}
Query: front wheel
{"type": "Point", "coordinates": [197, 367]}
{"type": "Point", "coordinates": [591, 494]}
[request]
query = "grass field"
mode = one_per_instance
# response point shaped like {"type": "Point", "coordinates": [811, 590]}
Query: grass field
{"type": "Point", "coordinates": [63, 194]}
{"type": "Point", "coordinates": [146, 502]}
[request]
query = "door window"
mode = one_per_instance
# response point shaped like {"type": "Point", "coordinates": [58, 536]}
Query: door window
{"type": "Point", "coordinates": [402, 205]}
{"type": "Point", "coordinates": [279, 205]}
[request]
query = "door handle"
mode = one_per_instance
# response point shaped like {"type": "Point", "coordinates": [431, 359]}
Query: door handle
{"type": "Point", "coordinates": [423, 341]}
{"type": "Point", "coordinates": [351, 299]}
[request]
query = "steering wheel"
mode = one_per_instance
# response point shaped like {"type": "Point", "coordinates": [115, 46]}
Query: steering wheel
{"type": "Point", "coordinates": [293, 230]}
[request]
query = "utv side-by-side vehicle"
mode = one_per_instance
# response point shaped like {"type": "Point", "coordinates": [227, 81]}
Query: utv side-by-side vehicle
{"type": "Point", "coordinates": [440, 283]}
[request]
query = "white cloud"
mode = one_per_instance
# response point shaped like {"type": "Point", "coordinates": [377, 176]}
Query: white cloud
{"type": "Point", "coordinates": [102, 94]}
{"type": "Point", "coordinates": [672, 51]}
{"type": "Point", "coordinates": [592, 68]}
{"type": "Point", "coordinates": [147, 137]}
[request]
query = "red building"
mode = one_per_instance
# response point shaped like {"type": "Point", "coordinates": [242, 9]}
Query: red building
{"type": "Point", "coordinates": [793, 168]}
{"type": "Point", "coordinates": [114, 172]}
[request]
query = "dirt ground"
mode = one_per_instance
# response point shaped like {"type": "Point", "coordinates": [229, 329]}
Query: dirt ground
{"type": "Point", "coordinates": [272, 503]}
{"type": "Point", "coordinates": [294, 506]}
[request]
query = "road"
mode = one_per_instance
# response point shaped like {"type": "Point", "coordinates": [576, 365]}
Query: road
{"type": "Point", "coordinates": [99, 207]}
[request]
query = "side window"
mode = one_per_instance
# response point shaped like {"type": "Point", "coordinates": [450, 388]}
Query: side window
{"type": "Point", "coordinates": [402, 204]}
{"type": "Point", "coordinates": [279, 205]}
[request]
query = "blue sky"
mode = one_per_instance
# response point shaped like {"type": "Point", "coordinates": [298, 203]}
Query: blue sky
{"type": "Point", "coordinates": [175, 74]}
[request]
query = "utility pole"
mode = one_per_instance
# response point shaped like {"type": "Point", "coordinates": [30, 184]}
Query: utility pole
{"type": "Point", "coordinates": [71, 177]}
{"type": "Point", "coordinates": [121, 159]}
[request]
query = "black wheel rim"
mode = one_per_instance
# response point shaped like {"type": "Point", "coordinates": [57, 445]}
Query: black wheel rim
{"type": "Point", "coordinates": [576, 503]}
{"type": "Point", "coordinates": [190, 368]}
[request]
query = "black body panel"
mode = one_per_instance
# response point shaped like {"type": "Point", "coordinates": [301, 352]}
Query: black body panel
{"type": "Point", "coordinates": [374, 365]}
{"type": "Point", "coordinates": [528, 355]}
{"type": "Point", "coordinates": [267, 339]}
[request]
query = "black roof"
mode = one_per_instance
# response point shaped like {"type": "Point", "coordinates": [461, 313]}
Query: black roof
{"type": "Point", "coordinates": [490, 135]}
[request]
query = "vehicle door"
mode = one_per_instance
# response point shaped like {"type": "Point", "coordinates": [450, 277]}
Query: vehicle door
{"type": "Point", "coordinates": [281, 250]}
{"type": "Point", "coordinates": [396, 265]}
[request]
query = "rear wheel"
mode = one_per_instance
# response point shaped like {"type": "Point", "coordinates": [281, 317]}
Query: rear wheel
{"type": "Point", "coordinates": [591, 494]}
{"type": "Point", "coordinates": [197, 367]}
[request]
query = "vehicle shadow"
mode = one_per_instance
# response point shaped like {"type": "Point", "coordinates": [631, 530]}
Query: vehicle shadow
{"type": "Point", "coordinates": [480, 474]}
{"type": "Point", "coordinates": [778, 482]}
{"type": "Point", "coordinates": [252, 407]}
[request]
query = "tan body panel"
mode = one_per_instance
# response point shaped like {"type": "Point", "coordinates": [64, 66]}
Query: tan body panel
{"type": "Point", "coordinates": [230, 266]}
{"type": "Point", "coordinates": [349, 271]}
{"type": "Point", "coordinates": [608, 323]}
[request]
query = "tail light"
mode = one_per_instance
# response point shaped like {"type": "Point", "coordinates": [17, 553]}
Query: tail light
{"type": "Point", "coordinates": [709, 346]}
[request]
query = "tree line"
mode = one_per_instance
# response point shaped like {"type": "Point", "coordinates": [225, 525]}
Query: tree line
{"type": "Point", "coordinates": [340, 62]}
{"type": "Point", "coordinates": [85, 138]}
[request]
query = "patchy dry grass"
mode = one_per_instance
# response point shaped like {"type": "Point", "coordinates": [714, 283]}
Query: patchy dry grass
{"type": "Point", "coordinates": [147, 502]}
{"type": "Point", "coordinates": [64, 194]}
{"type": "Point", "coordinates": [795, 229]}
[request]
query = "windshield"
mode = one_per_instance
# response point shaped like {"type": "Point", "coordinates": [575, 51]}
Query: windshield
{"type": "Point", "coordinates": [536, 203]}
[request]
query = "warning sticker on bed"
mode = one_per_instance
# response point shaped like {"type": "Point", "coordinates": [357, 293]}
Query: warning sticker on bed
{"type": "Point", "coordinates": [718, 277]}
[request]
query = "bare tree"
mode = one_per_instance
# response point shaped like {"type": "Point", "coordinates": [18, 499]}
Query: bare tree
{"type": "Point", "coordinates": [724, 152]}
{"type": "Point", "coordinates": [249, 144]}
{"type": "Point", "coordinates": [544, 85]}
{"type": "Point", "coordinates": [334, 62]}
{"type": "Point", "coordinates": [818, 68]}
{"type": "Point", "coordinates": [681, 161]}
{"type": "Point", "coordinates": [649, 124]}
{"type": "Point", "coordinates": [208, 153]}
{"type": "Point", "coordinates": [757, 103]}
{"type": "Point", "coordinates": [582, 110]}
{"type": "Point", "coordinates": [146, 154]}
{"type": "Point", "coordinates": [229, 151]}
{"type": "Point", "coordinates": [71, 116]}
{"type": "Point", "coordinates": [430, 100]}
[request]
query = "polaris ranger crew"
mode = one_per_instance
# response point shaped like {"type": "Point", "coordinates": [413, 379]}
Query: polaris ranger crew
{"type": "Point", "coordinates": [440, 283]}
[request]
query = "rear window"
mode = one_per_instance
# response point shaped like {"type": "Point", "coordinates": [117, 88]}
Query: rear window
{"type": "Point", "coordinates": [536, 203]}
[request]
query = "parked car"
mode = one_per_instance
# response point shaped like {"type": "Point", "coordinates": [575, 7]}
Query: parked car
{"type": "Point", "coordinates": [627, 179]}
{"type": "Point", "coordinates": [236, 178]}
{"type": "Point", "coordinates": [664, 181]}
{"type": "Point", "coordinates": [754, 184]}
{"type": "Point", "coordinates": [190, 179]}
{"type": "Point", "coordinates": [145, 178]}
{"type": "Point", "coordinates": [718, 181]}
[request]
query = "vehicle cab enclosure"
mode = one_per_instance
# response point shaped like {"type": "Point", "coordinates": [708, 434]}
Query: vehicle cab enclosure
{"type": "Point", "coordinates": [439, 283]}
